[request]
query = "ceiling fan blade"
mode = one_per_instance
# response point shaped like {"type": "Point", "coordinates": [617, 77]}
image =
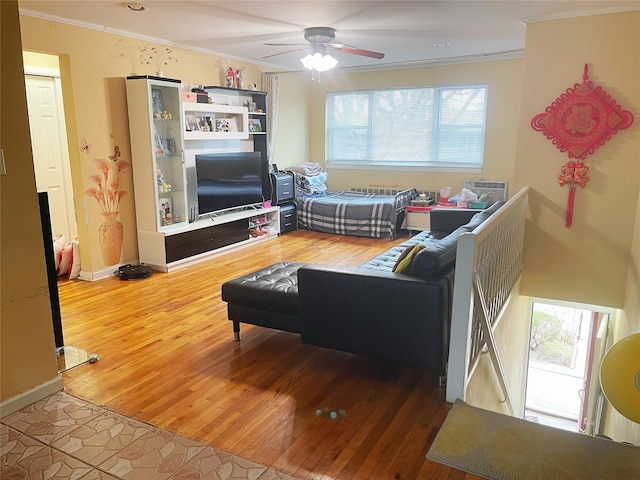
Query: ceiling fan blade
{"type": "Point", "coordinates": [286, 51]}
{"type": "Point", "coordinates": [355, 51]}
{"type": "Point", "coordinates": [286, 44]}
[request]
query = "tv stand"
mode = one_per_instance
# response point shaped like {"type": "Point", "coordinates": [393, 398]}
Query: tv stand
{"type": "Point", "coordinates": [209, 237]}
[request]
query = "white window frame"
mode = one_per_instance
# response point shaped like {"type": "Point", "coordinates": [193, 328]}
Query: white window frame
{"type": "Point", "coordinates": [432, 162]}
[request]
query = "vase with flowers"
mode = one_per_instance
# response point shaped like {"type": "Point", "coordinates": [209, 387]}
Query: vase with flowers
{"type": "Point", "coordinates": [159, 57]}
{"type": "Point", "coordinates": [108, 192]}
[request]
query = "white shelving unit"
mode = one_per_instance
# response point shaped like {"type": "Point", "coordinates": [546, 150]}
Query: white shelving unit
{"type": "Point", "coordinates": [155, 124]}
{"type": "Point", "coordinates": [215, 119]}
{"type": "Point", "coordinates": [210, 237]}
{"type": "Point", "coordinates": [168, 238]}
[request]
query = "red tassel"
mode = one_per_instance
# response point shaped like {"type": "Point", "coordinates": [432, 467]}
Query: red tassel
{"type": "Point", "coordinates": [569, 217]}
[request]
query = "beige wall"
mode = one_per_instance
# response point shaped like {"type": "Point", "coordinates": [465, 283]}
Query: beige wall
{"type": "Point", "coordinates": [504, 81]}
{"type": "Point", "coordinates": [589, 262]}
{"type": "Point", "coordinates": [597, 260]}
{"type": "Point", "coordinates": [292, 131]}
{"type": "Point", "coordinates": [27, 347]}
{"type": "Point", "coordinates": [93, 68]}
{"type": "Point", "coordinates": [626, 323]}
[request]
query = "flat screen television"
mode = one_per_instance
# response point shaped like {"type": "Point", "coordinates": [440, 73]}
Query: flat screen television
{"type": "Point", "coordinates": [229, 180]}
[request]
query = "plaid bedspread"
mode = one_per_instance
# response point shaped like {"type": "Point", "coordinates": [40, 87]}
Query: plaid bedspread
{"type": "Point", "coordinates": [352, 213]}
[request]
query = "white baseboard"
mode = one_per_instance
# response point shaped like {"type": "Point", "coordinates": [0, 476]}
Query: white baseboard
{"type": "Point", "coordinates": [99, 274]}
{"type": "Point", "coordinates": [22, 400]}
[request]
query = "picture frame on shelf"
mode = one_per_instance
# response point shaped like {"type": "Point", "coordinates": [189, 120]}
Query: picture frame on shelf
{"type": "Point", "coordinates": [232, 125]}
{"type": "Point", "coordinates": [160, 147]}
{"type": "Point", "coordinates": [165, 212]}
{"type": "Point", "coordinates": [158, 100]}
{"type": "Point", "coordinates": [192, 123]}
{"type": "Point", "coordinates": [255, 125]}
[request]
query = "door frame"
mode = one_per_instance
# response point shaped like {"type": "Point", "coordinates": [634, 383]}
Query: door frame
{"type": "Point", "coordinates": [591, 402]}
{"type": "Point", "coordinates": [35, 71]}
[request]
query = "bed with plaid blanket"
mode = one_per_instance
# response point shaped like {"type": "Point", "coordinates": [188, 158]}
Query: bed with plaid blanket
{"type": "Point", "coordinates": [353, 213]}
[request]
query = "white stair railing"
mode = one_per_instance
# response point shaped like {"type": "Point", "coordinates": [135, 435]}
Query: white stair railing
{"type": "Point", "coordinates": [488, 265]}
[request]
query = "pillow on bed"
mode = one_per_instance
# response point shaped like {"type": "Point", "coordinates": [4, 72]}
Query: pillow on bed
{"type": "Point", "coordinates": [406, 257]}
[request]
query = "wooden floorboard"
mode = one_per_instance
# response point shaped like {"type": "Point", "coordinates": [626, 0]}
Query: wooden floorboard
{"type": "Point", "coordinates": [167, 358]}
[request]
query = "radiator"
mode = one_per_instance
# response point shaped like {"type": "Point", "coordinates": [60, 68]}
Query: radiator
{"type": "Point", "coordinates": [479, 187]}
{"type": "Point", "coordinates": [394, 189]}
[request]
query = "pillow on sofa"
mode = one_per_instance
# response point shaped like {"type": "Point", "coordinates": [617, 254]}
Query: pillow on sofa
{"type": "Point", "coordinates": [437, 256]}
{"type": "Point", "coordinates": [406, 257]}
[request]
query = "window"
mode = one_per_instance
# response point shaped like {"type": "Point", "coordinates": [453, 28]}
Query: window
{"type": "Point", "coordinates": [423, 127]}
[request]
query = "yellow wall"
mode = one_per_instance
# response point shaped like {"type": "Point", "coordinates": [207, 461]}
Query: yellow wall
{"type": "Point", "coordinates": [597, 260]}
{"type": "Point", "coordinates": [503, 78]}
{"type": "Point", "coordinates": [587, 263]}
{"type": "Point", "coordinates": [626, 323]}
{"type": "Point", "coordinates": [292, 131]}
{"type": "Point", "coordinates": [27, 347]}
{"type": "Point", "coordinates": [93, 68]}
{"type": "Point", "coordinates": [590, 263]}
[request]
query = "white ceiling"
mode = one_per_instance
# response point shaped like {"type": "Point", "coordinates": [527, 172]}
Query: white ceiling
{"type": "Point", "coordinates": [406, 31]}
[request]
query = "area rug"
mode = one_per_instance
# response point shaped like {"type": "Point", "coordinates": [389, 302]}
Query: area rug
{"type": "Point", "coordinates": [500, 447]}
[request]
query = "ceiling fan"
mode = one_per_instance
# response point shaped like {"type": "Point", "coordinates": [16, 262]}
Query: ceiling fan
{"type": "Point", "coordinates": [320, 39]}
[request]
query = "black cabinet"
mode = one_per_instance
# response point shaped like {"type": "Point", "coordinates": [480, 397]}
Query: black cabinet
{"type": "Point", "coordinates": [203, 240]}
{"type": "Point", "coordinates": [288, 218]}
{"type": "Point", "coordinates": [282, 188]}
{"type": "Point", "coordinates": [283, 194]}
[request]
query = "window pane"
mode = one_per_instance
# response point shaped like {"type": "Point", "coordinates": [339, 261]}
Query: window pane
{"type": "Point", "coordinates": [411, 126]}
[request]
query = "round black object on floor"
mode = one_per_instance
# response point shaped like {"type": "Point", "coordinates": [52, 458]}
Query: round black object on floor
{"type": "Point", "coordinates": [134, 272]}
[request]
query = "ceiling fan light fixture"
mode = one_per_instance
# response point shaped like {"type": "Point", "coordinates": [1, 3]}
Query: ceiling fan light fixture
{"type": "Point", "coordinates": [136, 7]}
{"type": "Point", "coordinates": [319, 62]}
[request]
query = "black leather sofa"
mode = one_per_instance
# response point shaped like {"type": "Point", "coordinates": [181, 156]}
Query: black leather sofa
{"type": "Point", "coordinates": [369, 309]}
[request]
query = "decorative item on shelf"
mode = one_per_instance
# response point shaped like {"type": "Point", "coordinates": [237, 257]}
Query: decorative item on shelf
{"type": "Point", "coordinates": [165, 212]}
{"type": "Point", "coordinates": [254, 125]}
{"type": "Point", "coordinates": [229, 77]}
{"type": "Point", "coordinates": [201, 95]}
{"type": "Point", "coordinates": [251, 106]}
{"type": "Point", "coordinates": [163, 186]}
{"type": "Point", "coordinates": [108, 192]}
{"type": "Point", "coordinates": [158, 103]}
{"type": "Point", "coordinates": [239, 83]}
{"type": "Point", "coordinates": [254, 87]}
{"type": "Point", "coordinates": [158, 57]}
{"type": "Point", "coordinates": [578, 122]}
{"type": "Point", "coordinates": [191, 123]}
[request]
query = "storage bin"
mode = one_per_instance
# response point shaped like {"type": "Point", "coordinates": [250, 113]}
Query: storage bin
{"type": "Point", "coordinates": [478, 204]}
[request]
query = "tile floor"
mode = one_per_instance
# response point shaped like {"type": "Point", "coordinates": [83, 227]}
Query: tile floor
{"type": "Point", "coordinates": [64, 437]}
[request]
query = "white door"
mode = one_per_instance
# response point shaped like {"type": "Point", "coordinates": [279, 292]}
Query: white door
{"type": "Point", "coordinates": [50, 154]}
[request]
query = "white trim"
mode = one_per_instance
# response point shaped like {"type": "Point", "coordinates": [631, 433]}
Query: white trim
{"type": "Point", "coordinates": [29, 397]}
{"type": "Point", "coordinates": [41, 71]}
{"type": "Point", "coordinates": [99, 274]}
{"type": "Point", "coordinates": [576, 305]}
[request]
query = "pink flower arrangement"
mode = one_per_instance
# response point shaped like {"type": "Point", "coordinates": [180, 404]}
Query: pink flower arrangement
{"type": "Point", "coordinates": [108, 190]}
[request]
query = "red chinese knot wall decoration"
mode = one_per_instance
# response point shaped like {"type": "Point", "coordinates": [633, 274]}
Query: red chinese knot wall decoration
{"type": "Point", "coordinates": [578, 122]}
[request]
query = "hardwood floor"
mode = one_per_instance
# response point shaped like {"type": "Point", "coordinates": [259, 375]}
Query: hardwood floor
{"type": "Point", "coordinates": [167, 358]}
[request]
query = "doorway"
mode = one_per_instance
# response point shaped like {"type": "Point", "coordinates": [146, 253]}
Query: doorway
{"type": "Point", "coordinates": [49, 143]}
{"type": "Point", "coordinates": [52, 170]}
{"type": "Point", "coordinates": [564, 357]}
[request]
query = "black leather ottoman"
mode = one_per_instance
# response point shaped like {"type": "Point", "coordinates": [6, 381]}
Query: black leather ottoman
{"type": "Point", "coordinates": [267, 298]}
